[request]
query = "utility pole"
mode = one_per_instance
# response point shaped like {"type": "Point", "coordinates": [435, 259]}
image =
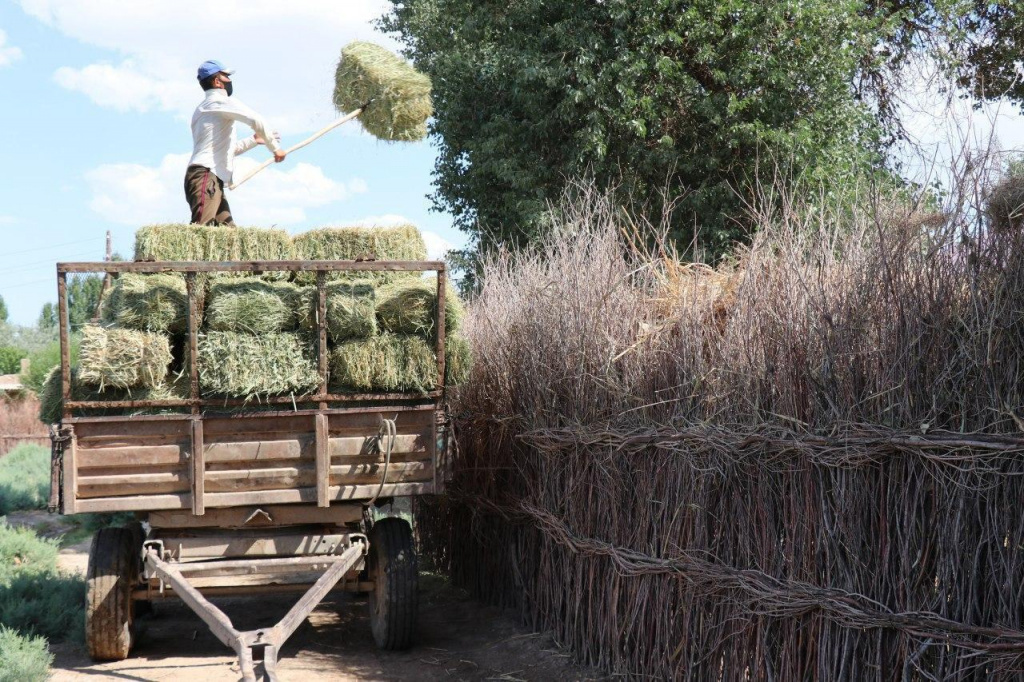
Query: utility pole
{"type": "Point", "coordinates": [110, 249]}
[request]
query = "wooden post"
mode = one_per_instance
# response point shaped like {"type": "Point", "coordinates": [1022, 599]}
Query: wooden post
{"type": "Point", "coordinates": [440, 325]}
{"type": "Point", "coordinates": [321, 326]}
{"type": "Point", "coordinates": [65, 343]}
{"type": "Point", "coordinates": [323, 462]}
{"type": "Point", "coordinates": [70, 471]}
{"type": "Point", "coordinates": [198, 469]}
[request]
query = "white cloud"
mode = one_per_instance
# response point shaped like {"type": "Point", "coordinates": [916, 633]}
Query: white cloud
{"type": "Point", "coordinates": [7, 220]}
{"type": "Point", "coordinates": [8, 53]}
{"type": "Point", "coordinates": [135, 194]}
{"type": "Point", "coordinates": [284, 53]}
{"type": "Point", "coordinates": [437, 246]}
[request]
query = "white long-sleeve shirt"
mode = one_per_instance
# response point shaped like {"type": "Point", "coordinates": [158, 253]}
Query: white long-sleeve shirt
{"type": "Point", "coordinates": [213, 133]}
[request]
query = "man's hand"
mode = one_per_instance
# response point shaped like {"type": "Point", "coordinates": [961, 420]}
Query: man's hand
{"type": "Point", "coordinates": [279, 155]}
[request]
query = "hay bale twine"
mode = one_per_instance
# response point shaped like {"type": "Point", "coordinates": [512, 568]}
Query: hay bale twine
{"type": "Point", "coordinates": [410, 307]}
{"type": "Point", "coordinates": [1005, 204]}
{"type": "Point", "coordinates": [249, 366]}
{"type": "Point", "coordinates": [388, 362]}
{"type": "Point", "coordinates": [351, 310]}
{"type": "Point", "coordinates": [123, 358]}
{"type": "Point", "coordinates": [400, 242]}
{"type": "Point", "coordinates": [252, 306]}
{"type": "Point", "coordinates": [154, 303]}
{"type": "Point", "coordinates": [396, 96]}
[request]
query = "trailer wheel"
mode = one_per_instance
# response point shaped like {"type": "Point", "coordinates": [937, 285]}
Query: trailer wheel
{"type": "Point", "coordinates": [114, 565]}
{"type": "Point", "coordinates": [392, 567]}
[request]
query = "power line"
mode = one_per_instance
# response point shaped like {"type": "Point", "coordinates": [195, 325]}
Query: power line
{"type": "Point", "coordinates": [53, 246]}
{"type": "Point", "coordinates": [41, 263]}
{"type": "Point", "coordinates": [25, 284]}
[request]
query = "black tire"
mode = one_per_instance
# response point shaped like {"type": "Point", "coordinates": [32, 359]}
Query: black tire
{"type": "Point", "coordinates": [393, 568]}
{"type": "Point", "coordinates": [114, 566]}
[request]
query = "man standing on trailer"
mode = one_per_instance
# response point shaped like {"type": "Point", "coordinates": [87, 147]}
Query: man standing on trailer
{"type": "Point", "coordinates": [214, 146]}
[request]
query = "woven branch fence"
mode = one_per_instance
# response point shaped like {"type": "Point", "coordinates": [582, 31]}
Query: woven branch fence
{"type": "Point", "coordinates": [807, 464]}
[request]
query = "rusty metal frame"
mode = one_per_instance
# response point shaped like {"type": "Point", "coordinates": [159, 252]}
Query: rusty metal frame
{"type": "Point", "coordinates": [270, 640]}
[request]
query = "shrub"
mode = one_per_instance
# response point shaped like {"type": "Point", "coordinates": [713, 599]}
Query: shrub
{"type": "Point", "coordinates": [22, 658]}
{"type": "Point", "coordinates": [42, 361]}
{"type": "Point", "coordinates": [10, 359]}
{"type": "Point", "coordinates": [24, 478]}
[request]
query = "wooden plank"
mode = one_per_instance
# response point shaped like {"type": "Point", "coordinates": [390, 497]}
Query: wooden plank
{"type": "Point", "coordinates": [426, 402]}
{"type": "Point", "coordinates": [362, 445]}
{"type": "Point", "coordinates": [233, 480]}
{"type": "Point", "coordinates": [228, 429]}
{"type": "Point", "coordinates": [252, 266]}
{"type": "Point", "coordinates": [134, 428]}
{"type": "Point", "coordinates": [440, 320]}
{"type": "Point", "coordinates": [323, 461]}
{"type": "Point", "coordinates": [71, 504]}
{"type": "Point", "coordinates": [258, 450]}
{"type": "Point", "coordinates": [121, 456]}
{"type": "Point", "coordinates": [254, 544]}
{"type": "Point", "coordinates": [65, 343]}
{"type": "Point", "coordinates": [134, 503]}
{"type": "Point", "coordinates": [198, 468]}
{"type": "Point", "coordinates": [366, 474]}
{"type": "Point", "coordinates": [88, 491]}
{"type": "Point", "coordinates": [248, 517]}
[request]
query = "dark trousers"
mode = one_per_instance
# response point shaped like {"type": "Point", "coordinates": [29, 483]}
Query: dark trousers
{"type": "Point", "coordinates": [205, 194]}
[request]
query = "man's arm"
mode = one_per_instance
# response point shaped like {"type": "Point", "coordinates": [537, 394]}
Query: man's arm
{"type": "Point", "coordinates": [237, 111]}
{"type": "Point", "coordinates": [244, 145]}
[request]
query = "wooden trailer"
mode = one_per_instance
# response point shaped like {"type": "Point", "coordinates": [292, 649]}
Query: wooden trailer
{"type": "Point", "coordinates": [232, 501]}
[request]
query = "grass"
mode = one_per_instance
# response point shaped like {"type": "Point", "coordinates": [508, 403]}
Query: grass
{"type": "Point", "coordinates": [400, 242]}
{"type": "Point", "coordinates": [410, 307]}
{"type": "Point", "coordinates": [388, 362]}
{"type": "Point", "coordinates": [396, 96]}
{"type": "Point", "coordinates": [24, 479]}
{"type": "Point", "coordinates": [179, 242]}
{"type": "Point", "coordinates": [23, 658]}
{"type": "Point", "coordinates": [351, 310]}
{"type": "Point", "coordinates": [155, 303]}
{"type": "Point", "coordinates": [249, 366]}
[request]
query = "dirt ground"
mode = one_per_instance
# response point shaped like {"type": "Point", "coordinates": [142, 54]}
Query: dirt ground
{"type": "Point", "coordinates": [458, 639]}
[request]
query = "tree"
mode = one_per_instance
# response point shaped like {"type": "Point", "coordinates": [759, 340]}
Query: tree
{"type": "Point", "coordinates": [47, 317]}
{"type": "Point", "coordinates": [703, 99]}
{"type": "Point", "coordinates": [3, 310]}
{"type": "Point", "coordinates": [83, 298]}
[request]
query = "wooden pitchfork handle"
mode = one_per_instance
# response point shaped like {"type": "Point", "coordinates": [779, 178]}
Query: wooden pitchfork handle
{"type": "Point", "coordinates": [344, 119]}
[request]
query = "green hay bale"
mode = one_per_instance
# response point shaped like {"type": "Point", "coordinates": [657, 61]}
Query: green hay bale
{"type": "Point", "coordinates": [458, 360]}
{"type": "Point", "coordinates": [252, 306]}
{"type": "Point", "coordinates": [51, 402]}
{"type": "Point", "coordinates": [389, 362]}
{"type": "Point", "coordinates": [248, 366]}
{"type": "Point", "coordinates": [123, 358]}
{"type": "Point", "coordinates": [351, 310]}
{"type": "Point", "coordinates": [410, 307]}
{"type": "Point", "coordinates": [155, 303]}
{"type": "Point", "coordinates": [396, 96]}
{"type": "Point", "coordinates": [401, 242]}
{"type": "Point", "coordinates": [214, 243]}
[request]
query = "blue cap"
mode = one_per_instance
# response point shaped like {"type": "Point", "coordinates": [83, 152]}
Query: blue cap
{"type": "Point", "coordinates": [211, 67]}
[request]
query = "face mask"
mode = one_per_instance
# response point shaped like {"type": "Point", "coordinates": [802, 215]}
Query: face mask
{"type": "Point", "coordinates": [229, 88]}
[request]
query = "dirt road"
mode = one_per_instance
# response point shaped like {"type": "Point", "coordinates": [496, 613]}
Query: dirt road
{"type": "Point", "coordinates": [458, 639]}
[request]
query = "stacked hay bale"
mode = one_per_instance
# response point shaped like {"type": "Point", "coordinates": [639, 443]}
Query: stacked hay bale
{"type": "Point", "coordinates": [258, 335]}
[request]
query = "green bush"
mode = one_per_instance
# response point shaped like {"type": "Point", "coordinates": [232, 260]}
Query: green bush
{"type": "Point", "coordinates": [34, 597]}
{"type": "Point", "coordinates": [10, 359]}
{"type": "Point", "coordinates": [24, 478]}
{"type": "Point", "coordinates": [43, 360]}
{"type": "Point", "coordinates": [23, 658]}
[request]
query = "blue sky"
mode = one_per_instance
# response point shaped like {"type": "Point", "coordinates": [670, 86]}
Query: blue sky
{"type": "Point", "coordinates": [97, 94]}
{"type": "Point", "coordinates": [95, 108]}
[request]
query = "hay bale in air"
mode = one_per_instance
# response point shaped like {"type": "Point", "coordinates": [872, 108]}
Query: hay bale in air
{"type": "Point", "coordinates": [123, 358]}
{"type": "Point", "coordinates": [155, 303]}
{"type": "Point", "coordinates": [213, 243]}
{"type": "Point", "coordinates": [51, 403]}
{"type": "Point", "coordinates": [252, 306]}
{"type": "Point", "coordinates": [249, 366]}
{"type": "Point", "coordinates": [410, 307]}
{"type": "Point", "coordinates": [396, 96]}
{"type": "Point", "coordinates": [351, 310]}
{"type": "Point", "coordinates": [389, 362]}
{"type": "Point", "coordinates": [401, 242]}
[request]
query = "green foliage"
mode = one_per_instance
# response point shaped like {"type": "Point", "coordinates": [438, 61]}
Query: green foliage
{"type": "Point", "coordinates": [24, 478]}
{"type": "Point", "coordinates": [698, 99]}
{"type": "Point", "coordinates": [45, 359]}
{"type": "Point", "coordinates": [47, 317]}
{"type": "Point", "coordinates": [23, 658]}
{"type": "Point", "coordinates": [34, 597]}
{"type": "Point", "coordinates": [3, 310]}
{"type": "Point", "coordinates": [10, 359]}
{"type": "Point", "coordinates": [83, 298]}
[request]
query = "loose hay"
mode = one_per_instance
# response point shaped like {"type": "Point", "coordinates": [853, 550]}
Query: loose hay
{"type": "Point", "coordinates": [252, 306]}
{"type": "Point", "coordinates": [402, 242]}
{"type": "Point", "coordinates": [213, 243]}
{"type": "Point", "coordinates": [410, 307]}
{"type": "Point", "coordinates": [351, 310]}
{"type": "Point", "coordinates": [51, 402]}
{"type": "Point", "coordinates": [123, 358]}
{"type": "Point", "coordinates": [458, 360]}
{"type": "Point", "coordinates": [396, 96]}
{"type": "Point", "coordinates": [155, 303]}
{"type": "Point", "coordinates": [389, 362]}
{"type": "Point", "coordinates": [248, 366]}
